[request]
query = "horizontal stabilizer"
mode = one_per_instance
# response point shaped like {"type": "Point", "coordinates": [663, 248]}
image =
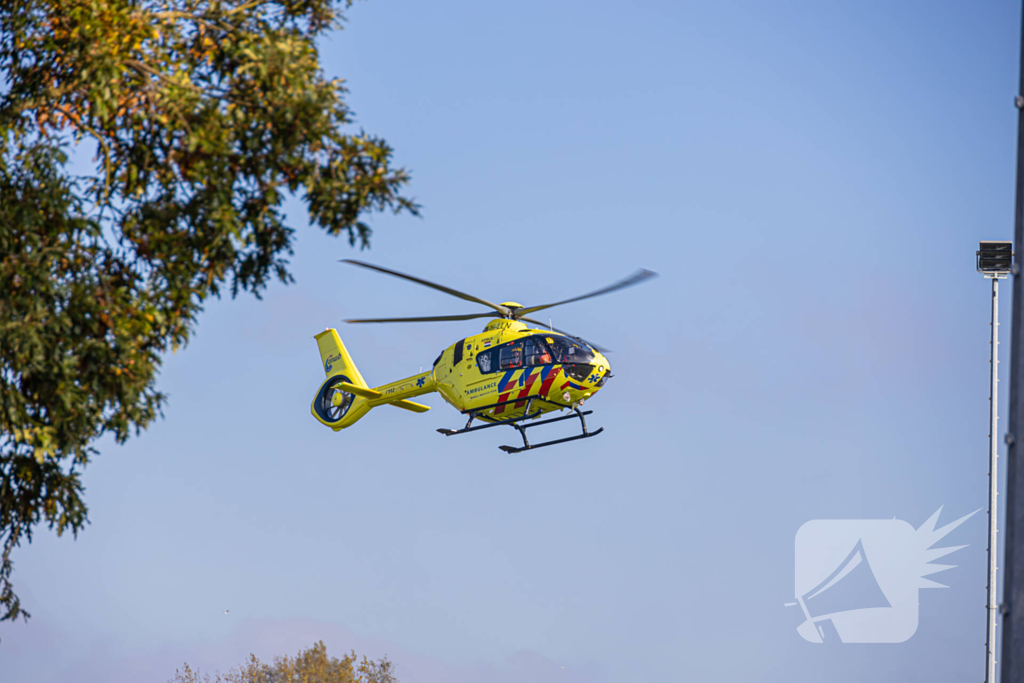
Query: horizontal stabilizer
{"type": "Point", "coordinates": [374, 394]}
{"type": "Point", "coordinates": [410, 405]}
{"type": "Point", "coordinates": [358, 391]}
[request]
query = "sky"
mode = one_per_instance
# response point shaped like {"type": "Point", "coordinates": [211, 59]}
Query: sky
{"type": "Point", "coordinates": [809, 179]}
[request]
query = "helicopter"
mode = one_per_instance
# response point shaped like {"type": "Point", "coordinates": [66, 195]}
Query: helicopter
{"type": "Point", "coordinates": [508, 374]}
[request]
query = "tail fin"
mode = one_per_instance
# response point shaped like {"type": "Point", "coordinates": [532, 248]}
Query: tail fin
{"type": "Point", "coordinates": [335, 358]}
{"type": "Point", "coordinates": [333, 405]}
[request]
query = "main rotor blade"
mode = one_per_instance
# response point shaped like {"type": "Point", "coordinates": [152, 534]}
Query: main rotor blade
{"type": "Point", "coordinates": [634, 279]}
{"type": "Point", "coordinates": [597, 348]}
{"type": "Point", "coordinates": [436, 318]}
{"type": "Point", "coordinates": [447, 290]}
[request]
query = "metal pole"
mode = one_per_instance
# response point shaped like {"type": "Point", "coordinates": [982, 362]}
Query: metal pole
{"type": "Point", "coordinates": [993, 481]}
{"type": "Point", "coordinates": [1013, 563]}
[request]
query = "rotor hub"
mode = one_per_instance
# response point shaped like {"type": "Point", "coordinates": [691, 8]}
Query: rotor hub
{"type": "Point", "coordinates": [513, 307]}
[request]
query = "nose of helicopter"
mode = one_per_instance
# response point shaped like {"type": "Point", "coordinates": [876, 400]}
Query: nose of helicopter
{"type": "Point", "coordinates": [602, 371]}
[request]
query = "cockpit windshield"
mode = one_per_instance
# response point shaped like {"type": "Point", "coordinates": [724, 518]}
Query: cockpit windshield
{"type": "Point", "coordinates": [568, 351]}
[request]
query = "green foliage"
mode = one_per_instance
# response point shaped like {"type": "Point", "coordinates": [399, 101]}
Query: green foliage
{"type": "Point", "coordinates": [204, 116]}
{"type": "Point", "coordinates": [309, 666]}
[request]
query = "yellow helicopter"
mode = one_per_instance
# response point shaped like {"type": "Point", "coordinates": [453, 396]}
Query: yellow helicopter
{"type": "Point", "coordinates": [508, 374]}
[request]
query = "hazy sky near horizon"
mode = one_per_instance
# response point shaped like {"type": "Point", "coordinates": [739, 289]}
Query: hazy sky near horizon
{"type": "Point", "coordinates": [809, 179]}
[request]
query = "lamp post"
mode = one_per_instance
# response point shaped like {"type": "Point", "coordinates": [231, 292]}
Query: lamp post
{"type": "Point", "coordinates": [994, 261]}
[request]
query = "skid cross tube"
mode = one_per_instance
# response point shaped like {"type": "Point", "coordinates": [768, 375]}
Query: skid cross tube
{"type": "Point", "coordinates": [467, 428]}
{"type": "Point", "coordinates": [476, 414]}
{"type": "Point", "coordinates": [518, 422]}
{"type": "Point", "coordinates": [528, 446]}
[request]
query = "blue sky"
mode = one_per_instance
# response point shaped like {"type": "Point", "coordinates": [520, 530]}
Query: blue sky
{"type": "Point", "coordinates": [809, 179]}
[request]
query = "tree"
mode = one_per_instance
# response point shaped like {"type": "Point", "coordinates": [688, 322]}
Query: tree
{"type": "Point", "coordinates": [309, 666]}
{"type": "Point", "coordinates": [203, 115]}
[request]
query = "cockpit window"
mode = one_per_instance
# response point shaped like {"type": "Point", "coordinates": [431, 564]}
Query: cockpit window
{"type": "Point", "coordinates": [537, 352]}
{"type": "Point", "coordinates": [568, 351]}
{"type": "Point", "coordinates": [511, 356]}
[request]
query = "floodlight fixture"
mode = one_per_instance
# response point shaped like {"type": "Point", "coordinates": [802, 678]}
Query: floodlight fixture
{"type": "Point", "coordinates": [995, 259]}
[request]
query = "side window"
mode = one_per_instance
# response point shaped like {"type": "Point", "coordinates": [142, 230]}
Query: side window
{"type": "Point", "coordinates": [511, 356]}
{"type": "Point", "coordinates": [486, 361]}
{"type": "Point", "coordinates": [537, 352]}
{"type": "Point", "coordinates": [458, 352]}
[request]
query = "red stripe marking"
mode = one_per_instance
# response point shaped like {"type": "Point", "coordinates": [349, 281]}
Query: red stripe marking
{"type": "Point", "coordinates": [526, 391]}
{"type": "Point", "coordinates": [548, 381]}
{"type": "Point", "coordinates": [501, 397]}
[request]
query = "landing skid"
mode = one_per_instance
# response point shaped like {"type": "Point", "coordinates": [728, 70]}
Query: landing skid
{"type": "Point", "coordinates": [518, 424]}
